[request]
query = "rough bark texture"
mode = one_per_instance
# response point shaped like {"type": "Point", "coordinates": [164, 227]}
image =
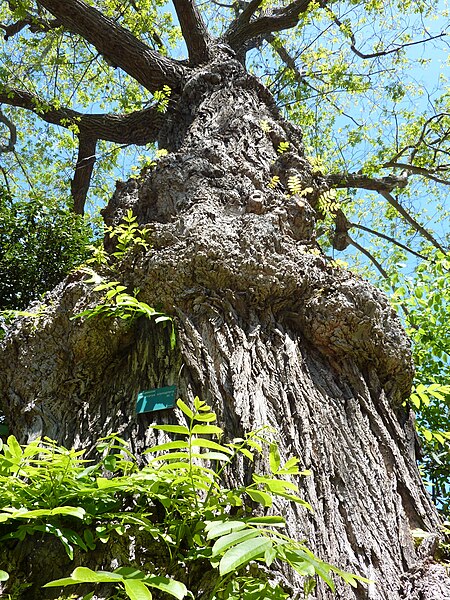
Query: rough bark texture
{"type": "Point", "coordinates": [269, 332]}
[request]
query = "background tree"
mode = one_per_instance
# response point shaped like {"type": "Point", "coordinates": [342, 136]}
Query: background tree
{"type": "Point", "coordinates": [269, 330]}
{"type": "Point", "coordinates": [40, 242]}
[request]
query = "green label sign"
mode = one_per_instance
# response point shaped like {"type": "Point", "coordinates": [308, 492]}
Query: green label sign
{"type": "Point", "coordinates": [159, 399]}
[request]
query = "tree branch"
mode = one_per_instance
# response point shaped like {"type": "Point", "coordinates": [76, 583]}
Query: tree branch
{"type": "Point", "coordinates": [429, 174]}
{"type": "Point", "coordinates": [288, 60]}
{"type": "Point", "coordinates": [359, 181]}
{"type": "Point", "coordinates": [118, 45]}
{"type": "Point", "coordinates": [369, 256]}
{"type": "Point", "coordinates": [79, 185]}
{"type": "Point", "coordinates": [353, 48]}
{"type": "Point", "coordinates": [383, 186]}
{"type": "Point", "coordinates": [341, 238]}
{"type": "Point", "coordinates": [249, 11]}
{"type": "Point", "coordinates": [139, 127]}
{"type": "Point", "coordinates": [388, 238]}
{"type": "Point", "coordinates": [194, 31]}
{"type": "Point", "coordinates": [244, 29]}
{"type": "Point", "coordinates": [409, 219]}
{"type": "Point", "coordinates": [9, 147]}
{"type": "Point", "coordinates": [34, 24]}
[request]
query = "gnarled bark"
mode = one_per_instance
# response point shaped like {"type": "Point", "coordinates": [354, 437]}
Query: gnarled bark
{"type": "Point", "coordinates": [269, 332]}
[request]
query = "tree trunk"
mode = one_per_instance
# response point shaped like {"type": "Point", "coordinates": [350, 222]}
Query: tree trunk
{"type": "Point", "coordinates": [269, 332]}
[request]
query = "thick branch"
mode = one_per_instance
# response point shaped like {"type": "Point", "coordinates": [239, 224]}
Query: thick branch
{"type": "Point", "coordinates": [384, 186]}
{"type": "Point", "coordinates": [249, 11]}
{"type": "Point", "coordinates": [243, 29]}
{"type": "Point", "coordinates": [288, 60]}
{"type": "Point", "coordinates": [194, 31]}
{"type": "Point", "coordinates": [359, 181]}
{"type": "Point", "coordinates": [83, 171]}
{"type": "Point", "coordinates": [139, 127]}
{"type": "Point", "coordinates": [342, 239]}
{"type": "Point", "coordinates": [118, 45]}
{"type": "Point", "coordinates": [9, 147]}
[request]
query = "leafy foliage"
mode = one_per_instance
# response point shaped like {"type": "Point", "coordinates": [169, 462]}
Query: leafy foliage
{"type": "Point", "coordinates": [349, 73]}
{"type": "Point", "coordinates": [426, 301]}
{"type": "Point", "coordinates": [40, 242]}
{"type": "Point", "coordinates": [178, 498]}
{"type": "Point", "coordinates": [116, 302]}
{"type": "Point", "coordinates": [127, 235]}
{"type": "Point", "coordinates": [328, 203]}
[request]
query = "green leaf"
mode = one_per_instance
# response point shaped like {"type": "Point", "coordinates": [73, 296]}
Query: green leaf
{"type": "Point", "coordinates": [130, 573]}
{"type": "Point", "coordinates": [297, 557]}
{"type": "Point", "coordinates": [22, 513]}
{"type": "Point", "coordinates": [185, 408]}
{"type": "Point", "coordinates": [169, 456]}
{"type": "Point", "coordinates": [4, 576]}
{"type": "Point", "coordinates": [308, 587]}
{"type": "Point", "coordinates": [297, 500]}
{"type": "Point", "coordinates": [86, 575]}
{"type": "Point", "coordinates": [169, 586]}
{"type": "Point", "coordinates": [231, 539]}
{"type": "Point", "coordinates": [274, 484]}
{"type": "Point", "coordinates": [173, 337]}
{"type": "Point", "coordinates": [260, 497]}
{"type": "Point", "coordinates": [219, 456]}
{"type": "Point", "coordinates": [206, 430]}
{"type": "Point", "coordinates": [291, 467]}
{"type": "Point", "coordinates": [246, 453]}
{"type": "Point", "coordinates": [181, 429]}
{"type": "Point", "coordinates": [14, 447]}
{"type": "Point", "coordinates": [136, 590]}
{"type": "Point", "coordinates": [162, 319]}
{"type": "Point", "coordinates": [70, 511]}
{"type": "Point", "coordinates": [206, 443]}
{"type": "Point", "coordinates": [243, 553]}
{"type": "Point", "coordinates": [215, 529]}
{"type": "Point", "coordinates": [177, 444]}
{"type": "Point", "coordinates": [206, 418]}
{"type": "Point", "coordinates": [270, 555]}
{"type": "Point", "coordinates": [61, 582]}
{"type": "Point", "coordinates": [274, 458]}
{"type": "Point", "coordinates": [350, 578]}
{"type": "Point", "coordinates": [255, 445]}
{"type": "Point", "coordinates": [89, 539]}
{"type": "Point", "coordinates": [267, 520]}
{"type": "Point", "coordinates": [427, 434]}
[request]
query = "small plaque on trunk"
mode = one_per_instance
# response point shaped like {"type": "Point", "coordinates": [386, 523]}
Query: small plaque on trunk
{"type": "Point", "coordinates": [153, 400]}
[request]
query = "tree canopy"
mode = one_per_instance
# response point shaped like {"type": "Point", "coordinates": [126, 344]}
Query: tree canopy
{"type": "Point", "coordinates": [365, 80]}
